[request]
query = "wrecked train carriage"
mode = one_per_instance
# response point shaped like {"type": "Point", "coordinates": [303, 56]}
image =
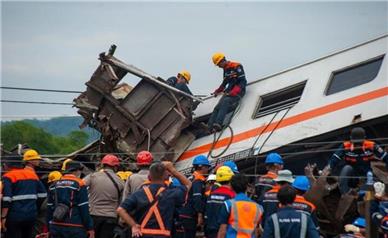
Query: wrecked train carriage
{"type": "Point", "coordinates": [151, 116]}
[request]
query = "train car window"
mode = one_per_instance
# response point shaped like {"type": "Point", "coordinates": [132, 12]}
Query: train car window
{"type": "Point", "coordinates": [355, 75]}
{"type": "Point", "coordinates": [279, 100]}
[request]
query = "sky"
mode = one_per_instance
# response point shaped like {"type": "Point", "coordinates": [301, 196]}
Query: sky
{"type": "Point", "coordinates": [55, 45]}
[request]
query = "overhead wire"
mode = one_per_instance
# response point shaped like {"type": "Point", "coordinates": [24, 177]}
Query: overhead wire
{"type": "Point", "coordinates": [37, 102]}
{"type": "Point", "coordinates": [40, 90]}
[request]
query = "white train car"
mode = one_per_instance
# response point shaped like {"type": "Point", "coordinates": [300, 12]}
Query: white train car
{"type": "Point", "coordinates": [303, 108]}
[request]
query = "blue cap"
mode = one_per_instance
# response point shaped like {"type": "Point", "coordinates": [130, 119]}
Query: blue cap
{"type": "Point", "coordinates": [301, 183]}
{"type": "Point", "coordinates": [175, 182]}
{"type": "Point", "coordinates": [360, 222]}
{"type": "Point", "coordinates": [232, 165]}
{"type": "Point", "coordinates": [201, 160]}
{"type": "Point", "coordinates": [273, 158]}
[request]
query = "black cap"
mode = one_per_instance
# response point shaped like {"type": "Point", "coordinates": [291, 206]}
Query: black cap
{"type": "Point", "coordinates": [357, 134]}
{"type": "Point", "coordinates": [73, 166]}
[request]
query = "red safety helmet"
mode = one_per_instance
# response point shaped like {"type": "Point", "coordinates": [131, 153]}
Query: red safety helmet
{"type": "Point", "coordinates": [144, 158]}
{"type": "Point", "coordinates": [110, 160]}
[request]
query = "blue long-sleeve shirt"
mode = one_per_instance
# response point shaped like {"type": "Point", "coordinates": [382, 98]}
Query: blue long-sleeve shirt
{"type": "Point", "coordinates": [234, 82]}
{"type": "Point", "coordinates": [289, 225]}
{"type": "Point", "coordinates": [72, 192]}
{"type": "Point", "coordinates": [196, 197]}
{"type": "Point", "coordinates": [173, 81]}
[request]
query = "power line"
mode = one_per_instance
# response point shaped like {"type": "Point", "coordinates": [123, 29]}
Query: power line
{"type": "Point", "coordinates": [41, 90]}
{"type": "Point", "coordinates": [36, 102]}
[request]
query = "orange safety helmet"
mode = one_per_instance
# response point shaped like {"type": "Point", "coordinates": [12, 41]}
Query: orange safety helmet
{"type": "Point", "coordinates": [110, 160]}
{"type": "Point", "coordinates": [144, 158]}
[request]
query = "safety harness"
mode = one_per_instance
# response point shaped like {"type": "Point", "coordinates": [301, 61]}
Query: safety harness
{"type": "Point", "coordinates": [153, 210]}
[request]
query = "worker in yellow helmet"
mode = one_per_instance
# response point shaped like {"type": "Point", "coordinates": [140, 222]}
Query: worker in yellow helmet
{"type": "Point", "coordinates": [53, 177]}
{"type": "Point", "coordinates": [124, 174]}
{"type": "Point", "coordinates": [31, 159]}
{"type": "Point", "coordinates": [232, 87]}
{"type": "Point", "coordinates": [63, 168]}
{"type": "Point", "coordinates": [181, 81]}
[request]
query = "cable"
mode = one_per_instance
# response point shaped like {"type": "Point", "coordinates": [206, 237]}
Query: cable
{"type": "Point", "coordinates": [41, 90]}
{"type": "Point", "coordinates": [35, 102]}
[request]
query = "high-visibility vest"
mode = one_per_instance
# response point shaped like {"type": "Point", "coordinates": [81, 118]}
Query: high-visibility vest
{"type": "Point", "coordinates": [244, 217]}
{"type": "Point", "coordinates": [154, 210]}
{"type": "Point", "coordinates": [367, 147]}
{"type": "Point", "coordinates": [303, 225]}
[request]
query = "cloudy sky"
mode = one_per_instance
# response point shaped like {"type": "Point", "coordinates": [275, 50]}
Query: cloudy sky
{"type": "Point", "coordinates": [55, 45]}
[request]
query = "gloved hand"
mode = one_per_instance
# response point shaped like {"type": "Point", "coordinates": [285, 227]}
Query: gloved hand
{"type": "Point", "coordinates": [379, 189]}
{"type": "Point", "coordinates": [352, 228]}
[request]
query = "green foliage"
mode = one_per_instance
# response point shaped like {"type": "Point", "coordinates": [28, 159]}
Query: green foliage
{"type": "Point", "coordinates": [37, 138]}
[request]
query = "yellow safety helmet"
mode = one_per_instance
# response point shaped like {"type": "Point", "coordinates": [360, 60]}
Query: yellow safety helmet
{"type": "Point", "coordinates": [54, 176]}
{"type": "Point", "coordinates": [217, 57]}
{"type": "Point", "coordinates": [31, 155]}
{"type": "Point", "coordinates": [124, 174]}
{"type": "Point", "coordinates": [224, 174]}
{"type": "Point", "coordinates": [64, 164]}
{"type": "Point", "coordinates": [185, 74]}
{"type": "Point", "coordinates": [128, 174]}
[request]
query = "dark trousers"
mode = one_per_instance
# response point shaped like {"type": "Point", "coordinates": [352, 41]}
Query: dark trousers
{"type": "Point", "coordinates": [67, 232]}
{"type": "Point", "coordinates": [19, 229]}
{"type": "Point", "coordinates": [345, 182]}
{"type": "Point", "coordinates": [211, 233]}
{"type": "Point", "coordinates": [190, 227]}
{"type": "Point", "coordinates": [104, 226]}
{"type": "Point", "coordinates": [224, 106]}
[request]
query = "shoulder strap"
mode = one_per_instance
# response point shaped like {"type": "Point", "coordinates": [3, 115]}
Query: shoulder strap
{"type": "Point", "coordinates": [276, 227]}
{"type": "Point", "coordinates": [151, 199]}
{"type": "Point", "coordinates": [114, 183]}
{"type": "Point", "coordinates": [303, 225]}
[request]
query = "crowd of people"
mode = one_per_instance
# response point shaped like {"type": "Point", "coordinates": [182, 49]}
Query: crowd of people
{"type": "Point", "coordinates": [159, 201]}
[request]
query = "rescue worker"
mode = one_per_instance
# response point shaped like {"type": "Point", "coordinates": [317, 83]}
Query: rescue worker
{"type": "Point", "coordinates": [68, 207]}
{"type": "Point", "coordinates": [31, 159]}
{"type": "Point", "coordinates": [181, 81]}
{"type": "Point", "coordinates": [178, 231]}
{"type": "Point", "coordinates": [301, 185]}
{"type": "Point", "coordinates": [288, 222]}
{"type": "Point", "coordinates": [63, 168]}
{"type": "Point", "coordinates": [210, 181]}
{"type": "Point", "coordinates": [192, 213]}
{"type": "Point", "coordinates": [379, 207]}
{"type": "Point", "coordinates": [270, 202]}
{"type": "Point", "coordinates": [155, 204]}
{"type": "Point", "coordinates": [232, 165]}
{"type": "Point", "coordinates": [23, 194]}
{"type": "Point", "coordinates": [105, 189]}
{"type": "Point", "coordinates": [143, 161]}
{"type": "Point", "coordinates": [216, 201]}
{"type": "Point", "coordinates": [357, 155]}
{"type": "Point", "coordinates": [356, 230]}
{"type": "Point", "coordinates": [273, 163]}
{"type": "Point", "coordinates": [53, 176]}
{"type": "Point", "coordinates": [233, 87]}
{"type": "Point", "coordinates": [240, 216]}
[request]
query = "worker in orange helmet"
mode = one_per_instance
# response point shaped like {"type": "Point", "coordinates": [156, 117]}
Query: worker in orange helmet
{"type": "Point", "coordinates": [181, 81]}
{"type": "Point", "coordinates": [144, 160]}
{"type": "Point", "coordinates": [105, 188]}
{"type": "Point", "coordinates": [233, 87]}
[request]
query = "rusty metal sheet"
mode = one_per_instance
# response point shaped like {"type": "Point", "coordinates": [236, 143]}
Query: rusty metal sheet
{"type": "Point", "coordinates": [163, 125]}
{"type": "Point", "coordinates": [158, 110]}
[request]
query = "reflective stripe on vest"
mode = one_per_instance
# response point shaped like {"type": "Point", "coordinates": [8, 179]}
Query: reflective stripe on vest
{"type": "Point", "coordinates": [241, 212]}
{"type": "Point", "coordinates": [303, 225]}
{"type": "Point", "coordinates": [154, 210]}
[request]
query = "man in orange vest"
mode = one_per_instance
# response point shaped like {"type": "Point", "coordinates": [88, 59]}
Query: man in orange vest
{"type": "Point", "coordinates": [233, 88]}
{"type": "Point", "coordinates": [153, 206]}
{"type": "Point", "coordinates": [270, 201]}
{"type": "Point", "coordinates": [240, 217]}
{"type": "Point", "coordinates": [357, 155]}
{"type": "Point", "coordinates": [273, 163]}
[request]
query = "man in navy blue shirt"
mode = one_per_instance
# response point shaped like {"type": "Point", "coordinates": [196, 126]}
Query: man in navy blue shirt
{"type": "Point", "coordinates": [150, 211]}
{"type": "Point", "coordinates": [287, 222]}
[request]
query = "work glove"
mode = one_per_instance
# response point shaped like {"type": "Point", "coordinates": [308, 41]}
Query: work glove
{"type": "Point", "coordinates": [352, 228]}
{"type": "Point", "coordinates": [379, 189]}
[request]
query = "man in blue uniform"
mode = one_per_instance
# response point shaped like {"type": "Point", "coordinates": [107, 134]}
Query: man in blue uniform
{"type": "Point", "coordinates": [68, 206]}
{"type": "Point", "coordinates": [216, 201]}
{"type": "Point", "coordinates": [181, 81]}
{"type": "Point", "coordinates": [192, 213]}
{"type": "Point", "coordinates": [357, 155]}
{"type": "Point", "coordinates": [23, 193]}
{"type": "Point", "coordinates": [150, 210]}
{"type": "Point", "coordinates": [233, 87]}
{"type": "Point", "coordinates": [287, 222]}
